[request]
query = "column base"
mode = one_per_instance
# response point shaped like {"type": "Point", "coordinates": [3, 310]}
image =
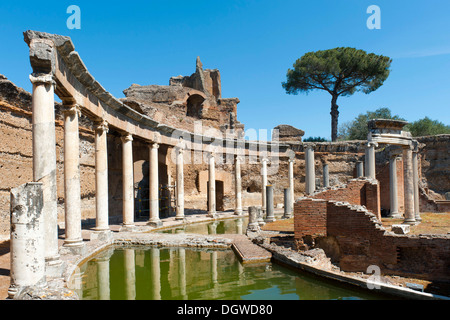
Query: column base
{"type": "Point", "coordinates": [409, 221]}
{"type": "Point", "coordinates": [76, 247]}
{"type": "Point", "coordinates": [212, 214]}
{"type": "Point", "coordinates": [102, 235]}
{"type": "Point", "coordinates": [270, 219]}
{"type": "Point", "coordinates": [180, 218]}
{"type": "Point", "coordinates": [395, 215]}
{"type": "Point", "coordinates": [287, 216]}
{"type": "Point", "coordinates": [155, 223]}
{"type": "Point", "coordinates": [238, 212]}
{"type": "Point", "coordinates": [127, 228]}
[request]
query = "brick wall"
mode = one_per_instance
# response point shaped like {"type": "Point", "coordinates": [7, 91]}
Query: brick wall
{"type": "Point", "coordinates": [357, 192]}
{"type": "Point", "coordinates": [353, 237]}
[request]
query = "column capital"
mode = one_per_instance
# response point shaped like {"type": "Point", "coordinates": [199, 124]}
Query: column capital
{"type": "Point", "coordinates": [71, 109]}
{"type": "Point", "coordinates": [42, 78]}
{"type": "Point", "coordinates": [311, 146]}
{"type": "Point", "coordinates": [154, 145]}
{"type": "Point", "coordinates": [265, 159]}
{"type": "Point", "coordinates": [370, 144]}
{"type": "Point", "coordinates": [101, 126]}
{"type": "Point", "coordinates": [126, 137]}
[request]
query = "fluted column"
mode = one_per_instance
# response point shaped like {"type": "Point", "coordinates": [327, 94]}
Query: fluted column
{"type": "Point", "coordinates": [291, 181]}
{"type": "Point", "coordinates": [238, 186]}
{"type": "Point", "coordinates": [370, 160]}
{"type": "Point", "coordinates": [408, 186]}
{"type": "Point", "coordinates": [72, 189]}
{"type": "Point", "coordinates": [310, 180]}
{"type": "Point", "coordinates": [393, 189]}
{"type": "Point", "coordinates": [180, 185]}
{"type": "Point", "coordinates": [101, 177]}
{"type": "Point", "coordinates": [128, 182]}
{"type": "Point", "coordinates": [154, 186]}
{"type": "Point", "coordinates": [264, 183]}
{"type": "Point", "coordinates": [212, 187]}
{"type": "Point", "coordinates": [44, 159]}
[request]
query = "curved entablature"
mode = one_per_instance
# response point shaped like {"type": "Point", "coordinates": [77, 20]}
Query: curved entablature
{"type": "Point", "coordinates": [55, 55]}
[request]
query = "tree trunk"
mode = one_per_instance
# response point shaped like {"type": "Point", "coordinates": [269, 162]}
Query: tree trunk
{"type": "Point", "coordinates": [334, 118]}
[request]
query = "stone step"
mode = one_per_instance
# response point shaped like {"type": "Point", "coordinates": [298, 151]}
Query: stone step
{"type": "Point", "coordinates": [247, 251]}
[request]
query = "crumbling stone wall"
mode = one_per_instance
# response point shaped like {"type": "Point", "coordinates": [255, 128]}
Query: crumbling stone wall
{"type": "Point", "coordinates": [354, 239]}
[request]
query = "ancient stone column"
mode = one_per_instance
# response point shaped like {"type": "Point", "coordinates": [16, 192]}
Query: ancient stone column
{"type": "Point", "coordinates": [326, 176]}
{"type": "Point", "coordinates": [154, 187]}
{"type": "Point", "coordinates": [269, 204]}
{"type": "Point", "coordinates": [370, 160]}
{"type": "Point", "coordinates": [408, 178]}
{"type": "Point", "coordinates": [359, 169]}
{"type": "Point", "coordinates": [291, 181]}
{"type": "Point", "coordinates": [180, 185]}
{"type": "Point", "coordinates": [310, 178]}
{"type": "Point", "coordinates": [101, 177]}
{"type": "Point", "coordinates": [253, 224]}
{"type": "Point", "coordinates": [238, 186]}
{"type": "Point", "coordinates": [128, 182]}
{"type": "Point", "coordinates": [27, 244]}
{"type": "Point", "coordinates": [72, 190]}
{"type": "Point", "coordinates": [393, 189]}
{"type": "Point", "coordinates": [211, 187]}
{"type": "Point", "coordinates": [264, 183]}
{"type": "Point", "coordinates": [415, 168]}
{"type": "Point", "coordinates": [287, 204]}
{"type": "Point", "coordinates": [44, 159]}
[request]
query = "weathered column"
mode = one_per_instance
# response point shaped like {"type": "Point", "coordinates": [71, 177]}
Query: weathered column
{"type": "Point", "coordinates": [180, 185]}
{"type": "Point", "coordinates": [269, 204]}
{"type": "Point", "coordinates": [72, 190]}
{"type": "Point", "coordinates": [253, 225]}
{"type": "Point", "coordinates": [287, 204]}
{"type": "Point", "coordinates": [264, 183]}
{"type": "Point", "coordinates": [211, 187]}
{"type": "Point", "coordinates": [408, 186]}
{"type": "Point", "coordinates": [101, 178]}
{"type": "Point", "coordinates": [359, 169]}
{"type": "Point", "coordinates": [238, 186]}
{"type": "Point", "coordinates": [44, 159]}
{"type": "Point", "coordinates": [128, 182]}
{"type": "Point", "coordinates": [310, 178]}
{"type": "Point", "coordinates": [291, 181]}
{"type": "Point", "coordinates": [326, 176]}
{"type": "Point", "coordinates": [154, 187]}
{"type": "Point", "coordinates": [27, 244]}
{"type": "Point", "coordinates": [415, 168]}
{"type": "Point", "coordinates": [370, 160]}
{"type": "Point", "coordinates": [393, 189]}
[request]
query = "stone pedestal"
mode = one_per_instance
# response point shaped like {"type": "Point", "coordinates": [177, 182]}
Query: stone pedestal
{"type": "Point", "coordinates": [154, 187]}
{"type": "Point", "coordinates": [44, 160]}
{"type": "Point", "coordinates": [238, 186]}
{"type": "Point", "coordinates": [128, 183]}
{"type": "Point", "coordinates": [72, 191]}
{"type": "Point", "coordinates": [27, 245]}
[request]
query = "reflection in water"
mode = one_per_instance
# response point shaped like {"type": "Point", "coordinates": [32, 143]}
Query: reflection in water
{"type": "Point", "coordinates": [226, 226]}
{"type": "Point", "coordinates": [196, 274]}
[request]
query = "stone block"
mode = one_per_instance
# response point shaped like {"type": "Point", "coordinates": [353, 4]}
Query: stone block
{"type": "Point", "coordinates": [400, 228]}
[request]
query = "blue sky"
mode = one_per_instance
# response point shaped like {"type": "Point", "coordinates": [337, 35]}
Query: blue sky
{"type": "Point", "coordinates": [252, 43]}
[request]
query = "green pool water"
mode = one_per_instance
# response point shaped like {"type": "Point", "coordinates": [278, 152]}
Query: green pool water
{"type": "Point", "coordinates": [146, 273]}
